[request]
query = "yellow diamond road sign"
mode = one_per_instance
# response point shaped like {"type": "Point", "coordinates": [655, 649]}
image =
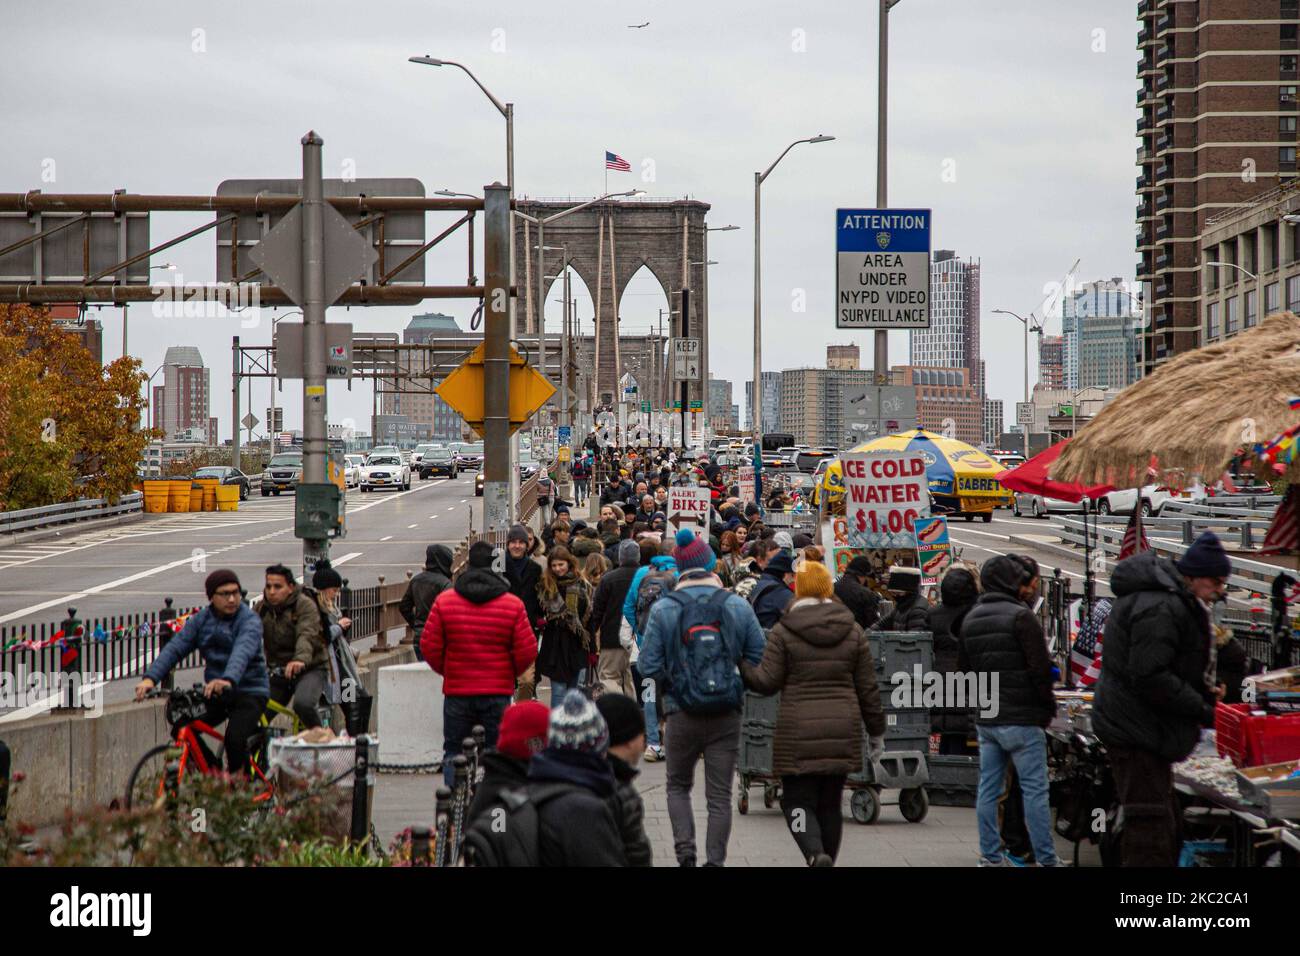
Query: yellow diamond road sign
{"type": "Point", "coordinates": [463, 390]}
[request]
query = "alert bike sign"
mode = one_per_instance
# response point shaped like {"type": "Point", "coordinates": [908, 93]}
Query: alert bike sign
{"type": "Point", "coordinates": [884, 494]}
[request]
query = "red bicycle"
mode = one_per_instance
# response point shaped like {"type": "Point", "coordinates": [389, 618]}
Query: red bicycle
{"type": "Point", "coordinates": [184, 713]}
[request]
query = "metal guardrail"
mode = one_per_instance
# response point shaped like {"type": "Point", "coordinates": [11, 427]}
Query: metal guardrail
{"type": "Point", "coordinates": [1248, 575]}
{"type": "Point", "coordinates": [27, 519]}
{"type": "Point", "coordinates": [1251, 531]}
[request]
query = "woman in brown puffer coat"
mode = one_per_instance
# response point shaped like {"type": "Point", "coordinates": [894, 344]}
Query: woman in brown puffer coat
{"type": "Point", "coordinates": [818, 658]}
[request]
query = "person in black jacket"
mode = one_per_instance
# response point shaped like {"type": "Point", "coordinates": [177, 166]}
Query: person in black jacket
{"type": "Point", "coordinates": [425, 587]}
{"type": "Point", "coordinates": [614, 666]}
{"type": "Point", "coordinates": [521, 735]}
{"type": "Point", "coordinates": [1001, 638]}
{"type": "Point", "coordinates": [577, 827]}
{"type": "Point", "coordinates": [773, 593]}
{"type": "Point", "coordinates": [911, 610]}
{"type": "Point", "coordinates": [523, 574]}
{"type": "Point", "coordinates": [1157, 687]}
{"type": "Point", "coordinates": [854, 594]}
{"type": "Point", "coordinates": [957, 591]}
{"type": "Point", "coordinates": [626, 721]}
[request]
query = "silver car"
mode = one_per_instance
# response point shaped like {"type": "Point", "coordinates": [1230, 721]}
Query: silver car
{"type": "Point", "coordinates": [1040, 507]}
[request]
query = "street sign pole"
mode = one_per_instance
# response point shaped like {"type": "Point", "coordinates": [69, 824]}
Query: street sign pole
{"type": "Point", "coordinates": [496, 358]}
{"type": "Point", "coordinates": [686, 382]}
{"type": "Point", "coordinates": [314, 447]}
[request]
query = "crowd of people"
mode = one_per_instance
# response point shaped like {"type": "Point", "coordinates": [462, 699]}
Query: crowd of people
{"type": "Point", "coordinates": [647, 639]}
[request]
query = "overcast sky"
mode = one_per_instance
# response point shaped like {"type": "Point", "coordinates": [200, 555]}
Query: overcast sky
{"type": "Point", "coordinates": [1026, 105]}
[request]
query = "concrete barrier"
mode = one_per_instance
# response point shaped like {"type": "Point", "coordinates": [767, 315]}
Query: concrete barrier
{"type": "Point", "coordinates": [71, 762]}
{"type": "Point", "coordinates": [410, 717]}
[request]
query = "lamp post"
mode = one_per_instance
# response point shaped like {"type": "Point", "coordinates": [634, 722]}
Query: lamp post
{"type": "Point", "coordinates": [881, 359]}
{"type": "Point", "coordinates": [1026, 322]}
{"type": "Point", "coordinates": [757, 423]}
{"type": "Point", "coordinates": [496, 445]}
{"type": "Point", "coordinates": [704, 313]}
{"type": "Point", "coordinates": [272, 441]}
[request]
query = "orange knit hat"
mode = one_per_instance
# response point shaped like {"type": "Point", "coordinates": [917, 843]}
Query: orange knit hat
{"type": "Point", "coordinates": [813, 580]}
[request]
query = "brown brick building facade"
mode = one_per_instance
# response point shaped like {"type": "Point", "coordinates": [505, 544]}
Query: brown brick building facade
{"type": "Point", "coordinates": [945, 399]}
{"type": "Point", "coordinates": [1218, 83]}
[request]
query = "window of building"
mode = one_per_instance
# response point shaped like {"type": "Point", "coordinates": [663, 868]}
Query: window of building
{"type": "Point", "coordinates": [1293, 293]}
{"type": "Point", "coordinates": [1212, 320]}
{"type": "Point", "coordinates": [1286, 158]}
{"type": "Point", "coordinates": [1286, 94]}
{"type": "Point", "coordinates": [1287, 65]}
{"type": "Point", "coordinates": [1271, 293]}
{"type": "Point", "coordinates": [1252, 308]}
{"type": "Point", "coordinates": [1233, 322]}
{"type": "Point", "coordinates": [1286, 124]}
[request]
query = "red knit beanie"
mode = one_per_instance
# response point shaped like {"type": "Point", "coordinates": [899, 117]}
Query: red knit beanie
{"type": "Point", "coordinates": [524, 728]}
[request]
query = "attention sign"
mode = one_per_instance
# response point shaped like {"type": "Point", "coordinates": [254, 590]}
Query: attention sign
{"type": "Point", "coordinates": [882, 266]}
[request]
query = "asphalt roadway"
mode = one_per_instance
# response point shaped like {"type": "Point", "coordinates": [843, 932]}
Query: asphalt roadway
{"type": "Point", "coordinates": [132, 567]}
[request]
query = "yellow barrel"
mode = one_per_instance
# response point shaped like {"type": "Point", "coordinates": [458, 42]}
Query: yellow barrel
{"type": "Point", "coordinates": [227, 497]}
{"type": "Point", "coordinates": [156, 491]}
{"type": "Point", "coordinates": [196, 496]}
{"type": "Point", "coordinates": [178, 498]}
{"type": "Point", "coordinates": [209, 486]}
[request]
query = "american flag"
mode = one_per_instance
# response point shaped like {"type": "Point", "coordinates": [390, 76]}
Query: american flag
{"type": "Point", "coordinates": [1284, 533]}
{"type": "Point", "coordinates": [615, 161]}
{"type": "Point", "coordinates": [1135, 539]}
{"type": "Point", "coordinates": [1085, 655]}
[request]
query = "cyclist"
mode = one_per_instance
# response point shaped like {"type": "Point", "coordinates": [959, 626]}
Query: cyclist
{"type": "Point", "coordinates": [228, 636]}
{"type": "Point", "coordinates": [295, 642]}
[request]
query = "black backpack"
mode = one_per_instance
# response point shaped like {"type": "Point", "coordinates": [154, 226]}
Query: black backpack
{"type": "Point", "coordinates": [509, 832]}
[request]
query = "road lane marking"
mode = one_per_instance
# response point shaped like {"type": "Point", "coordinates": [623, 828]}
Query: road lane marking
{"type": "Point", "coordinates": [387, 538]}
{"type": "Point", "coordinates": [410, 526]}
{"type": "Point", "coordinates": [335, 562]}
{"type": "Point", "coordinates": [451, 507]}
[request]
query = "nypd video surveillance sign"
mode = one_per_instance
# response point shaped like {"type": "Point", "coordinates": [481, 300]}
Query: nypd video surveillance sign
{"type": "Point", "coordinates": [882, 263]}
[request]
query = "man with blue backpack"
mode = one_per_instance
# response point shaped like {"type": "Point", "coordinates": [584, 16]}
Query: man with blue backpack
{"type": "Point", "coordinates": [697, 635]}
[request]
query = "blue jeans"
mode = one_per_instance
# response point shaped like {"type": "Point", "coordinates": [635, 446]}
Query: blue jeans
{"type": "Point", "coordinates": [647, 689]}
{"type": "Point", "coordinates": [1026, 747]}
{"type": "Point", "coordinates": [459, 715]}
{"type": "Point", "coordinates": [559, 688]}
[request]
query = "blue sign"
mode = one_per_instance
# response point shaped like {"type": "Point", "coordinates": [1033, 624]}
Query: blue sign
{"type": "Point", "coordinates": [882, 265]}
{"type": "Point", "coordinates": [566, 434]}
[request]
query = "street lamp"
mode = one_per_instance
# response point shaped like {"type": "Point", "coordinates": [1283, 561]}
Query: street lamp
{"type": "Point", "coordinates": [540, 222]}
{"type": "Point", "coordinates": [758, 304]}
{"type": "Point", "coordinates": [270, 426]}
{"type": "Point", "coordinates": [1027, 323]}
{"type": "Point", "coordinates": [448, 192]}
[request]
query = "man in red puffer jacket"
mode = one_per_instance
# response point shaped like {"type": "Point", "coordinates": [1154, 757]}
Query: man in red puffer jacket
{"type": "Point", "coordinates": [479, 639]}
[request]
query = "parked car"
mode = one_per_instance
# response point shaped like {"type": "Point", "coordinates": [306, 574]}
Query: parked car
{"type": "Point", "coordinates": [282, 473]}
{"type": "Point", "coordinates": [1040, 506]}
{"type": "Point", "coordinates": [386, 471]}
{"type": "Point", "coordinates": [440, 461]}
{"type": "Point", "coordinates": [227, 476]}
{"type": "Point", "coordinates": [469, 457]}
{"type": "Point", "coordinates": [352, 469]}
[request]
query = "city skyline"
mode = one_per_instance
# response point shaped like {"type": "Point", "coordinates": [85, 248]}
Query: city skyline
{"type": "Point", "coordinates": [951, 160]}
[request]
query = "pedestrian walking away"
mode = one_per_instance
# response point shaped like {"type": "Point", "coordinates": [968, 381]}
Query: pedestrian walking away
{"type": "Point", "coordinates": [1001, 637]}
{"type": "Point", "coordinates": [479, 639]}
{"type": "Point", "coordinates": [696, 638]}
{"type": "Point", "coordinates": [423, 589]}
{"type": "Point", "coordinates": [817, 657]}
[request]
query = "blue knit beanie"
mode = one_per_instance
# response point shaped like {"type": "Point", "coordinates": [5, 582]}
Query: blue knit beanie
{"type": "Point", "coordinates": [692, 551]}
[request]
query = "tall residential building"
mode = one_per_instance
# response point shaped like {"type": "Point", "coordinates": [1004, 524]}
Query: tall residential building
{"type": "Point", "coordinates": [1051, 362]}
{"type": "Point", "coordinates": [720, 406]}
{"type": "Point", "coordinates": [812, 402]}
{"type": "Point", "coordinates": [180, 403]}
{"type": "Point", "coordinates": [843, 357]}
{"type": "Point", "coordinates": [993, 421]}
{"type": "Point", "coordinates": [953, 338]}
{"type": "Point", "coordinates": [946, 401]}
{"type": "Point", "coordinates": [1218, 129]}
{"type": "Point", "coordinates": [1100, 325]}
{"type": "Point", "coordinates": [771, 416]}
{"type": "Point", "coordinates": [425, 409]}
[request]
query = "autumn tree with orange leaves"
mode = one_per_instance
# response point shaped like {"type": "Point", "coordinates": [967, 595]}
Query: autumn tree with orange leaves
{"type": "Point", "coordinates": [69, 428]}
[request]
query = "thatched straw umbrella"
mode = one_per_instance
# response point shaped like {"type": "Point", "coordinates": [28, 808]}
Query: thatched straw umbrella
{"type": "Point", "coordinates": [1195, 413]}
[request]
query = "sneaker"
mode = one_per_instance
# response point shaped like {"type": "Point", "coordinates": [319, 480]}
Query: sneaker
{"type": "Point", "coordinates": [686, 861]}
{"type": "Point", "coordinates": [654, 754]}
{"type": "Point", "coordinates": [985, 861]}
{"type": "Point", "coordinates": [1022, 861]}
{"type": "Point", "coordinates": [821, 859]}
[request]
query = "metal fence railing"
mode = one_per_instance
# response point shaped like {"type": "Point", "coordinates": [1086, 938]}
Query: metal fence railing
{"type": "Point", "coordinates": [28, 519]}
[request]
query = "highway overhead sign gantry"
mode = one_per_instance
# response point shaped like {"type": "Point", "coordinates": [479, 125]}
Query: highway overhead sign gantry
{"type": "Point", "coordinates": [882, 268]}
